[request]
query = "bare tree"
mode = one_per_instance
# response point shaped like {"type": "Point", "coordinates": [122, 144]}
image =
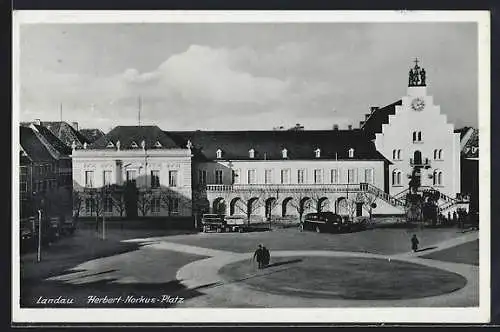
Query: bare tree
{"type": "Point", "coordinates": [145, 200]}
{"type": "Point", "coordinates": [301, 202]}
{"type": "Point", "coordinates": [250, 201]}
{"type": "Point", "coordinates": [78, 199]}
{"type": "Point", "coordinates": [368, 200]}
{"type": "Point", "coordinates": [350, 206]}
{"type": "Point", "coordinates": [117, 196]}
{"type": "Point", "coordinates": [317, 199]}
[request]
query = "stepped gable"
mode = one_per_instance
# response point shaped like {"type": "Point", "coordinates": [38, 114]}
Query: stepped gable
{"type": "Point", "coordinates": [129, 134]}
{"type": "Point", "coordinates": [378, 117]}
{"type": "Point", "coordinates": [268, 145]}
{"type": "Point", "coordinates": [32, 145]}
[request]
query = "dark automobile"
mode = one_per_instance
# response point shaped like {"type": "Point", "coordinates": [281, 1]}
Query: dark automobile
{"type": "Point", "coordinates": [68, 227]}
{"type": "Point", "coordinates": [324, 222]}
{"type": "Point", "coordinates": [213, 222]}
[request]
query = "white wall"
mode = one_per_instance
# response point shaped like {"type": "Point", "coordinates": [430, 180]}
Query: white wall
{"type": "Point", "coordinates": [437, 133]}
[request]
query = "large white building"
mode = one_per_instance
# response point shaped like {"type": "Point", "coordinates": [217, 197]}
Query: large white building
{"type": "Point", "coordinates": [279, 174]}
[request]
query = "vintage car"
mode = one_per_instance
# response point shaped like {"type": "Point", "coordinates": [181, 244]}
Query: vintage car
{"type": "Point", "coordinates": [324, 222]}
{"type": "Point", "coordinates": [213, 222]}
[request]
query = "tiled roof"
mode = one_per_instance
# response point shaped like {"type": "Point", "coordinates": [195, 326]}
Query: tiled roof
{"type": "Point", "coordinates": [269, 144]}
{"type": "Point", "coordinates": [378, 117]}
{"type": "Point", "coordinates": [64, 131]}
{"type": "Point", "coordinates": [91, 135]}
{"type": "Point", "coordinates": [129, 134]}
{"type": "Point", "coordinates": [55, 142]}
{"type": "Point", "coordinates": [34, 148]}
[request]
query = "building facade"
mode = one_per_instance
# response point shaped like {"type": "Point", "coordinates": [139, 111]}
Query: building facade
{"type": "Point", "coordinates": [132, 171]}
{"type": "Point", "coordinates": [279, 173]}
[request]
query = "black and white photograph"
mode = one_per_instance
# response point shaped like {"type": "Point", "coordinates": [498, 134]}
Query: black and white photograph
{"type": "Point", "coordinates": [251, 166]}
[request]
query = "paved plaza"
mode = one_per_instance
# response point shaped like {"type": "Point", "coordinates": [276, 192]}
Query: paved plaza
{"type": "Point", "coordinates": [373, 268]}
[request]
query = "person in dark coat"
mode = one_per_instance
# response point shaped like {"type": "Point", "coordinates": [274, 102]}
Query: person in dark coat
{"type": "Point", "coordinates": [259, 255]}
{"type": "Point", "coordinates": [266, 256]}
{"type": "Point", "coordinates": [414, 243]}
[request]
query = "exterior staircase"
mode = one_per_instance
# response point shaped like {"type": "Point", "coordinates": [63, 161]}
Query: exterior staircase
{"type": "Point", "coordinates": [391, 200]}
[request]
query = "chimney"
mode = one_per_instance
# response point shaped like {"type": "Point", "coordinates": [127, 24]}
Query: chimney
{"type": "Point", "coordinates": [38, 122]}
{"type": "Point", "coordinates": [74, 125]}
{"type": "Point", "coordinates": [373, 109]}
{"type": "Point", "coordinates": [349, 127]}
{"type": "Point", "coordinates": [335, 127]}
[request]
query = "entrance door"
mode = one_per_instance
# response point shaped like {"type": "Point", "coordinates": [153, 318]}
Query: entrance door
{"type": "Point", "coordinates": [359, 209]}
{"type": "Point", "coordinates": [417, 158]}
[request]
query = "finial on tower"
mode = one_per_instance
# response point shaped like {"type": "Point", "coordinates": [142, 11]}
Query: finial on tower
{"type": "Point", "coordinates": [416, 76]}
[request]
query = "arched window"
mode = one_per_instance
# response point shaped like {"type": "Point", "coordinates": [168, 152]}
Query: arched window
{"type": "Point", "coordinates": [396, 177]}
{"type": "Point", "coordinates": [440, 154]}
{"type": "Point", "coordinates": [419, 136]}
{"type": "Point", "coordinates": [435, 154]}
{"type": "Point", "coordinates": [437, 179]}
{"type": "Point", "coordinates": [399, 154]}
{"type": "Point", "coordinates": [394, 154]}
{"type": "Point", "coordinates": [414, 136]}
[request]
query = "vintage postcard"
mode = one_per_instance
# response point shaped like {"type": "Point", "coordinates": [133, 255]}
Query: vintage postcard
{"type": "Point", "coordinates": [251, 167]}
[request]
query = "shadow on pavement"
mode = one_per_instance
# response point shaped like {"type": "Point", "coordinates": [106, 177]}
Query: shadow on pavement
{"type": "Point", "coordinates": [284, 263]}
{"type": "Point", "coordinates": [425, 249]}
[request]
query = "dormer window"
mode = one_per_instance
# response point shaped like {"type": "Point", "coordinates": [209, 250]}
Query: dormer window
{"type": "Point", "coordinates": [351, 153]}
{"type": "Point", "coordinates": [134, 145]}
{"type": "Point", "coordinates": [251, 153]}
{"type": "Point", "coordinates": [284, 153]}
{"type": "Point", "coordinates": [110, 145]}
{"type": "Point", "coordinates": [317, 152]}
{"type": "Point", "coordinates": [219, 153]}
{"type": "Point", "coordinates": [158, 144]}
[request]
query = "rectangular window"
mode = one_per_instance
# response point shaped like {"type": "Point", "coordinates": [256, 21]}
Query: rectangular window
{"type": "Point", "coordinates": [155, 179]}
{"type": "Point", "coordinates": [285, 176]}
{"type": "Point", "coordinates": [334, 176]}
{"type": "Point", "coordinates": [131, 176]}
{"type": "Point", "coordinates": [23, 179]}
{"type": "Point", "coordinates": [301, 178]}
{"type": "Point", "coordinates": [268, 176]}
{"type": "Point", "coordinates": [173, 205]}
{"type": "Point", "coordinates": [369, 175]}
{"type": "Point", "coordinates": [318, 176]}
{"type": "Point", "coordinates": [107, 178]}
{"type": "Point", "coordinates": [172, 178]}
{"type": "Point", "coordinates": [252, 179]}
{"type": "Point", "coordinates": [202, 177]}
{"type": "Point", "coordinates": [89, 202]}
{"type": "Point", "coordinates": [236, 176]}
{"type": "Point", "coordinates": [108, 205]}
{"type": "Point", "coordinates": [218, 176]}
{"type": "Point", "coordinates": [89, 179]}
{"type": "Point", "coordinates": [351, 175]}
{"type": "Point", "coordinates": [155, 205]}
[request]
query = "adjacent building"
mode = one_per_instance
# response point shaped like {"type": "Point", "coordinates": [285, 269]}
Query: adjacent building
{"type": "Point", "coordinates": [45, 173]}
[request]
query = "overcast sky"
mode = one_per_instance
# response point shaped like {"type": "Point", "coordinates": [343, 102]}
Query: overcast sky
{"type": "Point", "coordinates": [241, 76]}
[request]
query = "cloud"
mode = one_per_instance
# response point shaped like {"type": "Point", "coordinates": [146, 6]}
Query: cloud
{"type": "Point", "coordinates": [218, 81]}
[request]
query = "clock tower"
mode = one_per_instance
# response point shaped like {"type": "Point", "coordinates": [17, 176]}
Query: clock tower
{"type": "Point", "coordinates": [420, 142]}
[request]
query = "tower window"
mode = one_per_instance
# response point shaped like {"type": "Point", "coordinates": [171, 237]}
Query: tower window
{"type": "Point", "coordinates": [396, 177]}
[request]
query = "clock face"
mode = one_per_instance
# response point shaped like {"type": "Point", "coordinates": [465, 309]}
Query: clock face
{"type": "Point", "coordinates": [417, 104]}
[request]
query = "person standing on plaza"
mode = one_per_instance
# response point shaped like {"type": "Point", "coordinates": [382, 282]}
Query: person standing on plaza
{"type": "Point", "coordinates": [266, 256]}
{"type": "Point", "coordinates": [258, 255]}
{"type": "Point", "coordinates": [414, 243]}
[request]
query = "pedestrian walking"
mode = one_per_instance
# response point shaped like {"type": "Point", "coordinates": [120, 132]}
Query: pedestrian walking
{"type": "Point", "coordinates": [258, 255]}
{"type": "Point", "coordinates": [414, 243]}
{"type": "Point", "coordinates": [266, 256]}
